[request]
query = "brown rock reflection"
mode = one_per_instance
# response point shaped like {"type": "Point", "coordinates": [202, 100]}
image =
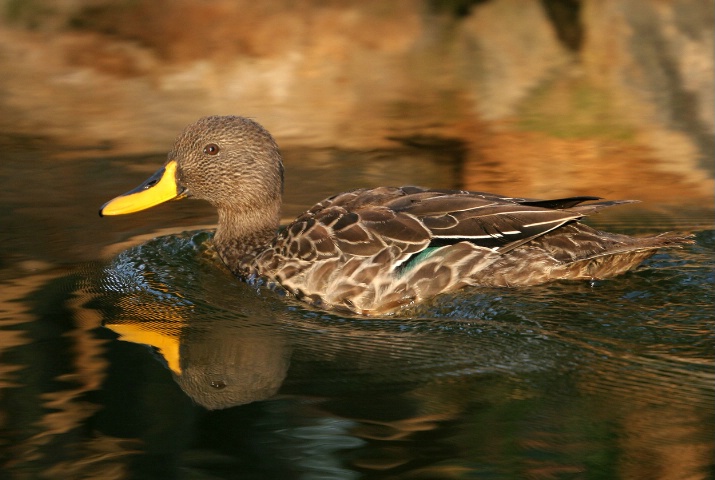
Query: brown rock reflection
{"type": "Point", "coordinates": [537, 165]}
{"type": "Point", "coordinates": [49, 419]}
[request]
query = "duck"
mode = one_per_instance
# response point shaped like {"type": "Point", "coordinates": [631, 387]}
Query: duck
{"type": "Point", "coordinates": [375, 251]}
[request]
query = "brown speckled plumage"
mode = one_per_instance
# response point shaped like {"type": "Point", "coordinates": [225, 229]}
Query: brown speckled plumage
{"type": "Point", "coordinates": [373, 251]}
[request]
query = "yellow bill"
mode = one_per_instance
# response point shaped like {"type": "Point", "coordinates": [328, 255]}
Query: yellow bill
{"type": "Point", "coordinates": [157, 189]}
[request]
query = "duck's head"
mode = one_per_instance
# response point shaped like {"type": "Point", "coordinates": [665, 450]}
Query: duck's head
{"type": "Point", "coordinates": [231, 162]}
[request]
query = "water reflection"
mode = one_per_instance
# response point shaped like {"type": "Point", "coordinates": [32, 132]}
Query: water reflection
{"type": "Point", "coordinates": [612, 379]}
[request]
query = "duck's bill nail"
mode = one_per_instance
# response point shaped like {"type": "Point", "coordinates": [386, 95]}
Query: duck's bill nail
{"type": "Point", "coordinates": [157, 189]}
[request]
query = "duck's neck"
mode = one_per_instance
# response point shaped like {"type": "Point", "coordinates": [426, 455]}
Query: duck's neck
{"type": "Point", "coordinates": [241, 235]}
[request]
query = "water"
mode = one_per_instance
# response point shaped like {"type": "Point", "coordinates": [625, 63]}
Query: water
{"type": "Point", "coordinates": [128, 351]}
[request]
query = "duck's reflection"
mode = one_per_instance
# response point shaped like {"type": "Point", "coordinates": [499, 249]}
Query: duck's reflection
{"type": "Point", "coordinates": [220, 367]}
{"type": "Point", "coordinates": [221, 356]}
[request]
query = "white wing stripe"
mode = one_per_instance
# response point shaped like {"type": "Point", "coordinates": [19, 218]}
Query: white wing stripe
{"type": "Point", "coordinates": [558, 220]}
{"type": "Point", "coordinates": [493, 235]}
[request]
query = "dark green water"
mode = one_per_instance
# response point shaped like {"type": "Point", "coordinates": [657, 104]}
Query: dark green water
{"type": "Point", "coordinates": [113, 346]}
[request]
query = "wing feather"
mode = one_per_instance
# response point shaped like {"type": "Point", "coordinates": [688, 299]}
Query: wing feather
{"type": "Point", "coordinates": [364, 222]}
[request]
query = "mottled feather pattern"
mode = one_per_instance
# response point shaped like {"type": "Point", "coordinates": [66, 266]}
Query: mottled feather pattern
{"type": "Point", "coordinates": [346, 252]}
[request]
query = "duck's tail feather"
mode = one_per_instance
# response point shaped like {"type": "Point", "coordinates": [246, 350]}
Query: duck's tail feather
{"type": "Point", "coordinates": [624, 254]}
{"type": "Point", "coordinates": [590, 208]}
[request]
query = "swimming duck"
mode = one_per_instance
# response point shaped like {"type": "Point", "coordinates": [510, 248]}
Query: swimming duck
{"type": "Point", "coordinates": [374, 251]}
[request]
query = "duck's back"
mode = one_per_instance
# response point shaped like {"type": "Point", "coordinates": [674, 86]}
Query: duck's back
{"type": "Point", "coordinates": [374, 250]}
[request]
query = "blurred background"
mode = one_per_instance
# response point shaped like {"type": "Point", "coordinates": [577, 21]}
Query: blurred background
{"type": "Point", "coordinates": [612, 95]}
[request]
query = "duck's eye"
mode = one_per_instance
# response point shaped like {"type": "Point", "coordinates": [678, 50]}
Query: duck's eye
{"type": "Point", "coordinates": [211, 149]}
